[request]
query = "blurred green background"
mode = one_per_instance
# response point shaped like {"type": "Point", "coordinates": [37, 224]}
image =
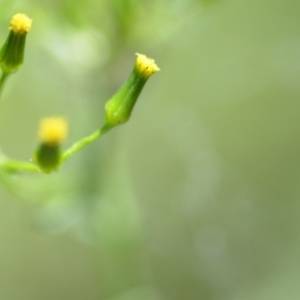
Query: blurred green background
{"type": "Point", "coordinates": [197, 197]}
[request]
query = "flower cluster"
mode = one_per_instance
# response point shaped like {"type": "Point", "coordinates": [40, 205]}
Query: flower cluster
{"type": "Point", "coordinates": [53, 130]}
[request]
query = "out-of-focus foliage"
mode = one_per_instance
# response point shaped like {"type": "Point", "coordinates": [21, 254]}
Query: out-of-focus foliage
{"type": "Point", "coordinates": [197, 197]}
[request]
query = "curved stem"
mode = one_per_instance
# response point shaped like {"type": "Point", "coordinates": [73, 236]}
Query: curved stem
{"type": "Point", "coordinates": [83, 143]}
{"type": "Point", "coordinates": [12, 166]}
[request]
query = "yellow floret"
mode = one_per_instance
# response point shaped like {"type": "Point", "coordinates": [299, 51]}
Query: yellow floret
{"type": "Point", "coordinates": [53, 130]}
{"type": "Point", "coordinates": [20, 24]}
{"type": "Point", "coordinates": [145, 65]}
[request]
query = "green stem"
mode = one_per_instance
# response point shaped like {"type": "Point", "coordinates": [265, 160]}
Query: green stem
{"type": "Point", "coordinates": [12, 166]}
{"type": "Point", "coordinates": [83, 143]}
{"type": "Point", "coordinates": [18, 166]}
{"type": "Point", "coordinates": [3, 80]}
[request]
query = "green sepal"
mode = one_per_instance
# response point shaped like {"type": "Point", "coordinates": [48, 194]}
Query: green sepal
{"type": "Point", "coordinates": [119, 107]}
{"type": "Point", "coordinates": [48, 157]}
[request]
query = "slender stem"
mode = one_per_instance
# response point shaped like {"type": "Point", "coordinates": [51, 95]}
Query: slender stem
{"type": "Point", "coordinates": [3, 80]}
{"type": "Point", "coordinates": [18, 166]}
{"type": "Point", "coordinates": [83, 143]}
{"type": "Point", "coordinates": [12, 166]}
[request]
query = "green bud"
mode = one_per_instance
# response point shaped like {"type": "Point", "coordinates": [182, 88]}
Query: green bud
{"type": "Point", "coordinates": [119, 107]}
{"type": "Point", "coordinates": [12, 52]}
{"type": "Point", "coordinates": [52, 132]}
{"type": "Point", "coordinates": [48, 157]}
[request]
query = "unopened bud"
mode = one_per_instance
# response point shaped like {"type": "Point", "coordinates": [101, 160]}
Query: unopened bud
{"type": "Point", "coordinates": [12, 52]}
{"type": "Point", "coordinates": [52, 132]}
{"type": "Point", "coordinates": [119, 107]}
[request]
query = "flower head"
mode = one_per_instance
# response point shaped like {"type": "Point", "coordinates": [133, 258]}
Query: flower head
{"type": "Point", "coordinates": [145, 65]}
{"type": "Point", "coordinates": [12, 52]}
{"type": "Point", "coordinates": [20, 24]}
{"type": "Point", "coordinates": [119, 107]}
{"type": "Point", "coordinates": [53, 130]}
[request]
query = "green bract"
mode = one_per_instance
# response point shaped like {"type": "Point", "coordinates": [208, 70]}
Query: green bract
{"type": "Point", "coordinates": [47, 157]}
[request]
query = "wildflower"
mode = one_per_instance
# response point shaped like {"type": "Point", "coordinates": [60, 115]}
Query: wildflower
{"type": "Point", "coordinates": [12, 52]}
{"type": "Point", "coordinates": [52, 132]}
{"type": "Point", "coordinates": [119, 107]}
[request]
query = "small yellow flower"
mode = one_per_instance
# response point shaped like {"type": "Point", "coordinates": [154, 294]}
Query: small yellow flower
{"type": "Point", "coordinates": [53, 130]}
{"type": "Point", "coordinates": [20, 24]}
{"type": "Point", "coordinates": [145, 65]}
{"type": "Point", "coordinates": [12, 52]}
{"type": "Point", "coordinates": [119, 107]}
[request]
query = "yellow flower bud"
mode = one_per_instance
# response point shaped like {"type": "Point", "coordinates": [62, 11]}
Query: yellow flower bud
{"type": "Point", "coordinates": [20, 24]}
{"type": "Point", "coordinates": [146, 66]}
{"type": "Point", "coordinates": [119, 107]}
{"type": "Point", "coordinates": [12, 52]}
{"type": "Point", "coordinates": [52, 132]}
